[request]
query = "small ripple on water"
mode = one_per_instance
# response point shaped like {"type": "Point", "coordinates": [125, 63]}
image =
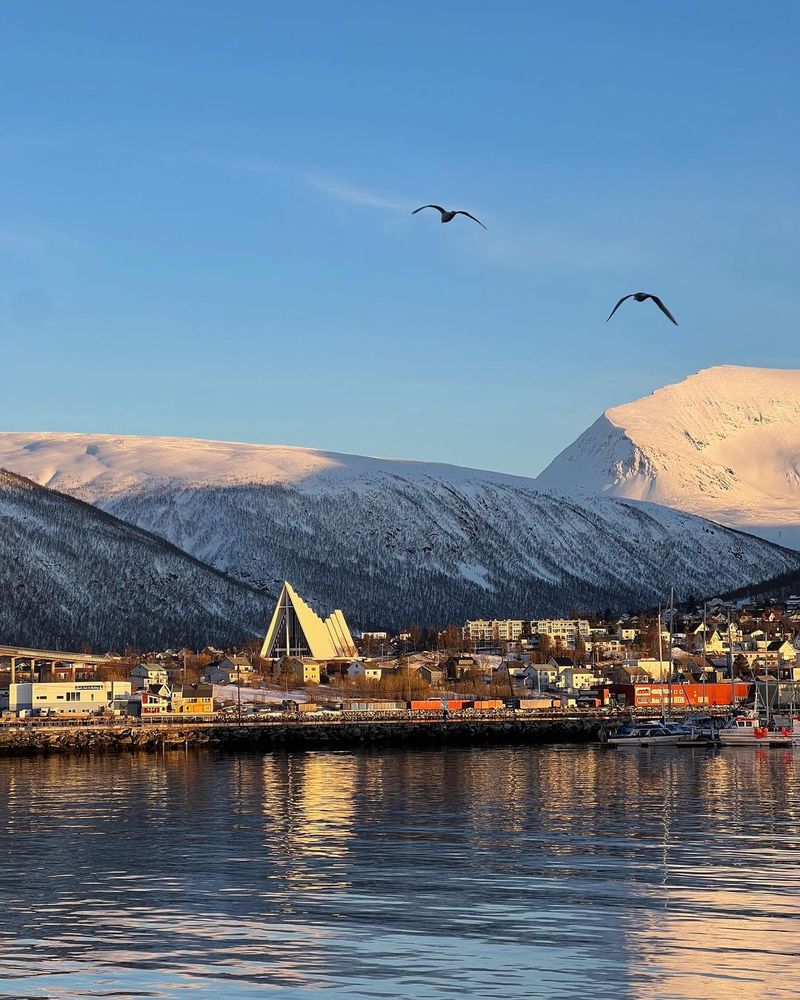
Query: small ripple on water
{"type": "Point", "coordinates": [487, 873]}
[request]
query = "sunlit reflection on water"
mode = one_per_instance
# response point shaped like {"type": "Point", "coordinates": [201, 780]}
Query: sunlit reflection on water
{"type": "Point", "coordinates": [559, 872]}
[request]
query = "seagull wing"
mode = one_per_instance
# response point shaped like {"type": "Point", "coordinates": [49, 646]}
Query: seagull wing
{"type": "Point", "coordinates": [619, 304]}
{"type": "Point", "coordinates": [462, 212]}
{"type": "Point", "coordinates": [437, 207]}
{"type": "Point", "coordinates": [663, 308]}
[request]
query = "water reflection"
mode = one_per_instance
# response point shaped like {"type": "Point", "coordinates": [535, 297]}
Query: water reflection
{"type": "Point", "coordinates": [489, 873]}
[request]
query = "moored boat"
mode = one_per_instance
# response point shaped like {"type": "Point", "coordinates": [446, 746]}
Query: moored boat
{"type": "Point", "coordinates": [747, 731]}
{"type": "Point", "coordinates": [655, 733]}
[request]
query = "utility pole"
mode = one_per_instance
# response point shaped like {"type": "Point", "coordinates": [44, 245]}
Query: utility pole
{"type": "Point", "coordinates": [510, 684]}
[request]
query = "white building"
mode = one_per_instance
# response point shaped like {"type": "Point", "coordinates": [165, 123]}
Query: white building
{"type": "Point", "coordinates": [232, 670]}
{"type": "Point", "coordinates": [481, 631]}
{"type": "Point", "coordinates": [368, 671]}
{"type": "Point", "coordinates": [658, 670]}
{"type": "Point", "coordinates": [145, 674]}
{"type": "Point", "coordinates": [565, 630]}
{"type": "Point", "coordinates": [576, 679]}
{"type": "Point", "coordinates": [541, 675]}
{"type": "Point", "coordinates": [70, 697]}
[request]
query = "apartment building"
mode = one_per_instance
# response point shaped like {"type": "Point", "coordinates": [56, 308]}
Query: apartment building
{"type": "Point", "coordinates": [481, 632]}
{"type": "Point", "coordinates": [564, 630]}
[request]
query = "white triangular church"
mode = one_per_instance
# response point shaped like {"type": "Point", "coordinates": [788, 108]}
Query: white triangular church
{"type": "Point", "coordinates": [296, 630]}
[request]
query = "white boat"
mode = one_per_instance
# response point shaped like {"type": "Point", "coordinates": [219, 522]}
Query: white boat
{"type": "Point", "coordinates": [747, 731]}
{"type": "Point", "coordinates": [645, 734]}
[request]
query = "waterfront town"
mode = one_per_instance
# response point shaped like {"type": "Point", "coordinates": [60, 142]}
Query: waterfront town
{"type": "Point", "coordinates": [706, 658]}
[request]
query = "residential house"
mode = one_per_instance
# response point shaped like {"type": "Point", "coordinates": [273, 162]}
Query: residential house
{"type": "Point", "coordinates": [545, 675]}
{"type": "Point", "coordinates": [194, 699]}
{"type": "Point", "coordinates": [366, 670]}
{"type": "Point", "coordinates": [516, 668]}
{"type": "Point", "coordinates": [785, 650]}
{"type": "Point", "coordinates": [655, 669]}
{"type": "Point", "coordinates": [457, 667]}
{"type": "Point", "coordinates": [306, 671]}
{"type": "Point", "coordinates": [230, 670]}
{"type": "Point", "coordinates": [151, 700]}
{"type": "Point", "coordinates": [607, 647]}
{"type": "Point", "coordinates": [432, 674]}
{"type": "Point", "coordinates": [629, 673]}
{"type": "Point", "coordinates": [145, 675]}
{"type": "Point", "coordinates": [574, 678]}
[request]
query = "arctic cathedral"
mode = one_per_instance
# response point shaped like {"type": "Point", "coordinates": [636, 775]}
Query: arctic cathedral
{"type": "Point", "coordinates": [297, 631]}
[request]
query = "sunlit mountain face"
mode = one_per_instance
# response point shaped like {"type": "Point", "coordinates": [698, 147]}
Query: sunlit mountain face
{"type": "Point", "coordinates": [724, 444]}
{"type": "Point", "coordinates": [394, 541]}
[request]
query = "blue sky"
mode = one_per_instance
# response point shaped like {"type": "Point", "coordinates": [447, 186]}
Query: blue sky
{"type": "Point", "coordinates": [205, 221]}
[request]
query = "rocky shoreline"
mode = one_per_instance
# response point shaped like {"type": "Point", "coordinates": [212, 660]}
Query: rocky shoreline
{"type": "Point", "coordinates": [32, 739]}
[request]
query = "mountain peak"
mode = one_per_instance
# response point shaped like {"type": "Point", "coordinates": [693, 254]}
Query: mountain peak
{"type": "Point", "coordinates": [724, 443]}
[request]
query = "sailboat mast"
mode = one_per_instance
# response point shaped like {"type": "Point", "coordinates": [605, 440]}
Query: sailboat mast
{"type": "Point", "coordinates": [671, 631]}
{"type": "Point", "coordinates": [660, 664]}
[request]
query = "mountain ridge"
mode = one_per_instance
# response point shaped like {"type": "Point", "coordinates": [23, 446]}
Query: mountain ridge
{"type": "Point", "coordinates": [71, 574]}
{"type": "Point", "coordinates": [392, 542]}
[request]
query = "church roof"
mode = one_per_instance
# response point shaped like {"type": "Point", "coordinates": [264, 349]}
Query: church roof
{"type": "Point", "coordinates": [325, 639]}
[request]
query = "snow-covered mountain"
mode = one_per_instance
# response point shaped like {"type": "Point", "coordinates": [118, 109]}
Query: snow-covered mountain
{"type": "Point", "coordinates": [393, 541]}
{"type": "Point", "coordinates": [71, 574]}
{"type": "Point", "coordinates": [724, 443]}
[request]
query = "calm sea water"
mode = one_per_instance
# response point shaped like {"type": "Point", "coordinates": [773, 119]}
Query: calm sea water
{"type": "Point", "coordinates": [511, 872]}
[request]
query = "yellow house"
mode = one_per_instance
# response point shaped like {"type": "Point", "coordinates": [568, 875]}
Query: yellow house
{"type": "Point", "coordinates": [193, 700]}
{"type": "Point", "coordinates": [305, 672]}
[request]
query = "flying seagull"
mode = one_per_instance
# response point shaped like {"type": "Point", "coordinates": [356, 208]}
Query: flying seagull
{"type": "Point", "coordinates": [448, 216]}
{"type": "Point", "coordinates": [641, 297]}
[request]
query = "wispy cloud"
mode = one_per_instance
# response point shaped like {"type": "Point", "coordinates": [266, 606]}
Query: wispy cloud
{"type": "Point", "coordinates": [561, 247]}
{"type": "Point", "coordinates": [352, 194]}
